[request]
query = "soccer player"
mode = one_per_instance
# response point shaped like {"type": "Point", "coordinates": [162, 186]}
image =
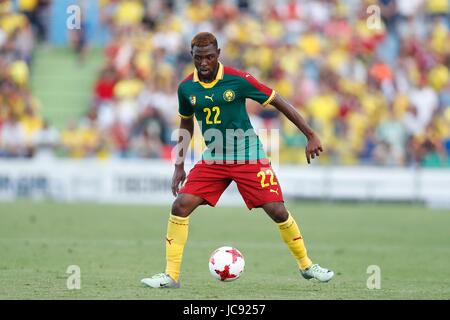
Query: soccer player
{"type": "Point", "coordinates": [215, 94]}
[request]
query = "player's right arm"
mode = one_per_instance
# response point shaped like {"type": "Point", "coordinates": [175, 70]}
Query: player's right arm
{"type": "Point", "coordinates": [185, 133]}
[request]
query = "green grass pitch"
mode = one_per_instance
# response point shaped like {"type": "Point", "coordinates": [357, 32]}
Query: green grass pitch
{"type": "Point", "coordinates": [116, 245]}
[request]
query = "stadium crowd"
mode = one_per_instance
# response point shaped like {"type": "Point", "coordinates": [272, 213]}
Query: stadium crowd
{"type": "Point", "coordinates": [376, 91]}
{"type": "Point", "coordinates": [23, 132]}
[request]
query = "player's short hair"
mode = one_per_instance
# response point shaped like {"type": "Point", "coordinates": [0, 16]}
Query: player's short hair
{"type": "Point", "coordinates": [204, 39]}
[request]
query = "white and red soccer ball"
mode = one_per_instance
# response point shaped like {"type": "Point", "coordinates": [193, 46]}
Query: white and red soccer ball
{"type": "Point", "coordinates": [226, 264]}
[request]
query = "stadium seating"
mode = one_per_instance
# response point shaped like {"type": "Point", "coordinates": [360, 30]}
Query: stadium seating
{"type": "Point", "coordinates": [376, 95]}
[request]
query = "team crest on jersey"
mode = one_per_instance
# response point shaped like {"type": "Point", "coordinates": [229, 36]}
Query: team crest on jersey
{"type": "Point", "coordinates": [192, 99]}
{"type": "Point", "coordinates": [229, 95]}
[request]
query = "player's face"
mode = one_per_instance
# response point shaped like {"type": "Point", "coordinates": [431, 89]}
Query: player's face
{"type": "Point", "coordinates": [206, 61]}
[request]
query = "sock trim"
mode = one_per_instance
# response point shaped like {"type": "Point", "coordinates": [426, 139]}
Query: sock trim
{"type": "Point", "coordinates": [183, 221]}
{"type": "Point", "coordinates": [286, 224]}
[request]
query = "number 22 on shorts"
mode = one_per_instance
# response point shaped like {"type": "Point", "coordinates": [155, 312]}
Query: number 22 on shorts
{"type": "Point", "coordinates": [263, 174]}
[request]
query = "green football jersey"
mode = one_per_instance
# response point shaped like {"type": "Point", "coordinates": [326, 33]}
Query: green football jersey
{"type": "Point", "coordinates": [219, 108]}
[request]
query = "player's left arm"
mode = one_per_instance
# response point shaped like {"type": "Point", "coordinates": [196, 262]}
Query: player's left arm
{"type": "Point", "coordinates": [314, 146]}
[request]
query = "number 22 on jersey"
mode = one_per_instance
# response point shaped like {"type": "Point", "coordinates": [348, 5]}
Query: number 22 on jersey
{"type": "Point", "coordinates": [209, 113]}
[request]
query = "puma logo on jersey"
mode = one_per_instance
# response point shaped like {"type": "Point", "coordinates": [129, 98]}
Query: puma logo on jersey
{"type": "Point", "coordinates": [210, 97]}
{"type": "Point", "coordinates": [274, 191]}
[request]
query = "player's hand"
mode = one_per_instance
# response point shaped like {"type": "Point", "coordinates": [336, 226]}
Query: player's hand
{"type": "Point", "coordinates": [313, 148]}
{"type": "Point", "coordinates": [178, 178]}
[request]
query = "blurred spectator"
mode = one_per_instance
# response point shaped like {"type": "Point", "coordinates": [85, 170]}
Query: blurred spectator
{"type": "Point", "coordinates": [128, 13]}
{"type": "Point", "coordinates": [392, 133]}
{"type": "Point", "coordinates": [425, 99]}
{"type": "Point", "coordinates": [118, 135]}
{"type": "Point", "coordinates": [45, 142]}
{"type": "Point", "coordinates": [19, 110]}
{"type": "Point", "coordinates": [71, 141]}
{"type": "Point", "coordinates": [427, 149]}
{"type": "Point", "coordinates": [104, 87]}
{"type": "Point", "coordinates": [78, 36]}
{"type": "Point", "coordinates": [36, 11]}
{"type": "Point", "coordinates": [147, 145]}
{"type": "Point", "coordinates": [13, 138]}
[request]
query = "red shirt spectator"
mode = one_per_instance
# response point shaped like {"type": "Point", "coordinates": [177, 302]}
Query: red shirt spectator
{"type": "Point", "coordinates": [104, 87]}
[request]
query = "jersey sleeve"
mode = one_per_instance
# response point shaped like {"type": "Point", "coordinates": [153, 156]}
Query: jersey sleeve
{"type": "Point", "coordinates": [185, 109]}
{"type": "Point", "coordinates": [257, 91]}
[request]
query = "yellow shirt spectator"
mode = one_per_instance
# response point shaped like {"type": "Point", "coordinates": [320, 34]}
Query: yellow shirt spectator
{"type": "Point", "coordinates": [19, 72]}
{"type": "Point", "coordinates": [290, 60]}
{"type": "Point", "coordinates": [129, 12]}
{"type": "Point", "coordinates": [437, 6]}
{"type": "Point", "coordinates": [27, 5]}
{"type": "Point", "coordinates": [90, 139]}
{"type": "Point", "coordinates": [274, 29]}
{"type": "Point", "coordinates": [72, 141]}
{"type": "Point", "coordinates": [198, 11]}
{"type": "Point", "coordinates": [103, 152]}
{"type": "Point", "coordinates": [324, 107]}
{"type": "Point", "coordinates": [438, 77]}
{"type": "Point", "coordinates": [231, 50]}
{"type": "Point", "coordinates": [310, 44]}
{"type": "Point", "coordinates": [442, 127]}
{"type": "Point", "coordinates": [373, 103]}
{"type": "Point", "coordinates": [143, 62]}
{"type": "Point", "coordinates": [352, 87]}
{"type": "Point", "coordinates": [128, 88]}
{"type": "Point", "coordinates": [11, 22]}
{"type": "Point", "coordinates": [31, 125]}
{"type": "Point", "coordinates": [357, 124]}
{"type": "Point", "coordinates": [264, 58]}
{"type": "Point", "coordinates": [337, 58]}
{"type": "Point", "coordinates": [400, 104]}
{"type": "Point", "coordinates": [174, 23]}
{"type": "Point", "coordinates": [284, 87]}
{"type": "Point", "coordinates": [439, 39]}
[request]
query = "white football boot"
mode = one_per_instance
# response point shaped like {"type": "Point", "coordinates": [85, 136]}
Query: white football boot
{"type": "Point", "coordinates": [318, 273]}
{"type": "Point", "coordinates": [161, 280]}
